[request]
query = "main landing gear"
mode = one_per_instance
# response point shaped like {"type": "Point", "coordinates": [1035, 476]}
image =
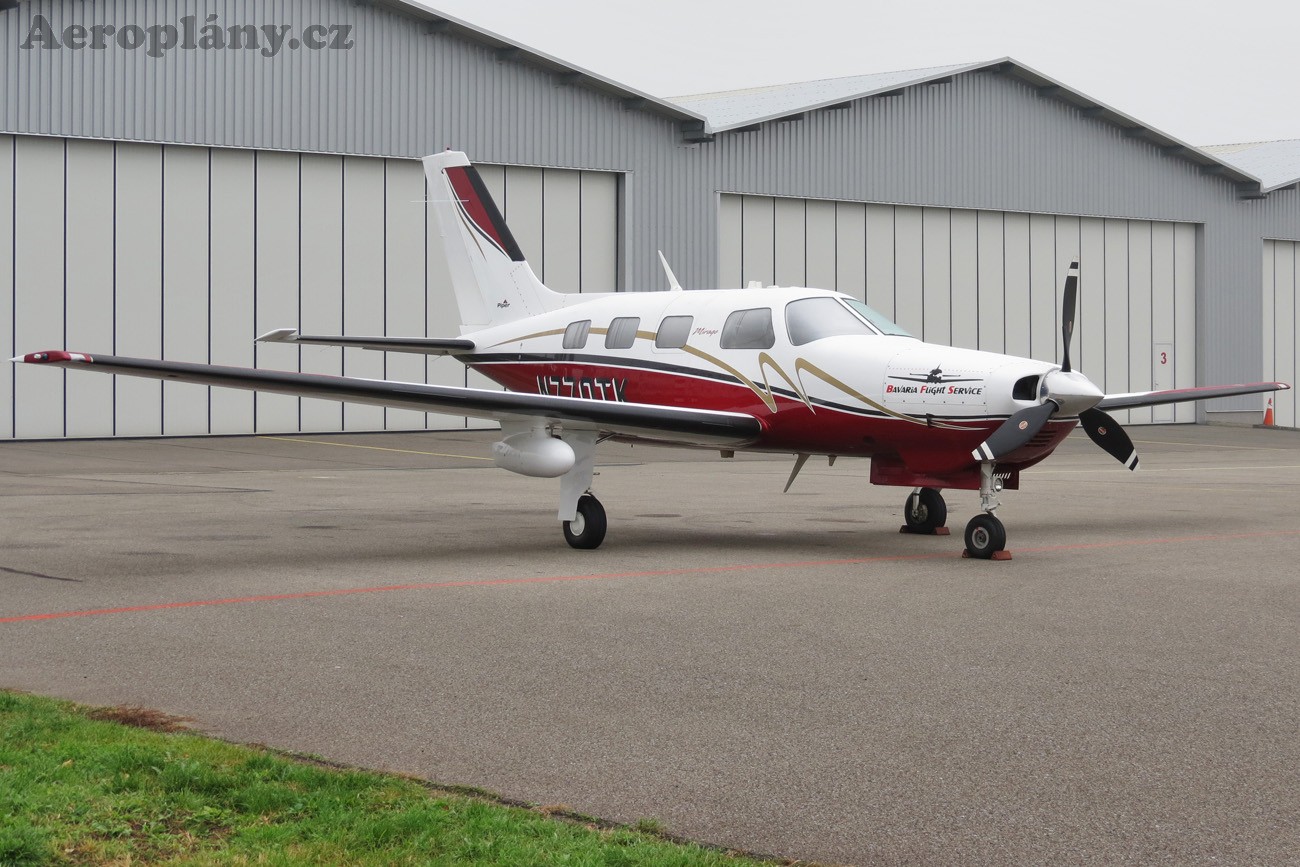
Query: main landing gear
{"type": "Point", "coordinates": [925, 513]}
{"type": "Point", "coordinates": [587, 529]}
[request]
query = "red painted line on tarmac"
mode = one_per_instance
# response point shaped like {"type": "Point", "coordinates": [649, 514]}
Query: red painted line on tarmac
{"type": "Point", "coordinates": [607, 576]}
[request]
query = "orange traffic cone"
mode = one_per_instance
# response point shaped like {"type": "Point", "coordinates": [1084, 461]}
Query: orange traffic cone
{"type": "Point", "coordinates": [1268, 414]}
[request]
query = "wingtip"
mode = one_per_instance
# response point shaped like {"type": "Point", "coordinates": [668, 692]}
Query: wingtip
{"type": "Point", "coordinates": [52, 356]}
{"type": "Point", "coordinates": [278, 335]}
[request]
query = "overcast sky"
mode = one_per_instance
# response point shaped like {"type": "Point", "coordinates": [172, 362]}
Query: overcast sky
{"type": "Point", "coordinates": [1204, 72]}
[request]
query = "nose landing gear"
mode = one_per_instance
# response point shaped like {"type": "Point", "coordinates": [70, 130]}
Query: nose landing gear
{"type": "Point", "coordinates": [986, 537]}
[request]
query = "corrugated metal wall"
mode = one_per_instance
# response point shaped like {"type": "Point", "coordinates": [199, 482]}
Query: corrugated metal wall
{"type": "Point", "coordinates": [188, 253]}
{"type": "Point", "coordinates": [991, 280]}
{"type": "Point", "coordinates": [982, 141]}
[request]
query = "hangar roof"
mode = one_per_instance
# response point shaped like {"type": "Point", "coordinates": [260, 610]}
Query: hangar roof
{"type": "Point", "coordinates": [1276, 162]}
{"type": "Point", "coordinates": [742, 110]}
{"type": "Point", "coordinates": [508, 49]}
{"type": "Point", "coordinates": [729, 109]}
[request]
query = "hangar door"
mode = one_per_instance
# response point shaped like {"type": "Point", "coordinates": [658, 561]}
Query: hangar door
{"type": "Point", "coordinates": [188, 253]}
{"type": "Point", "coordinates": [990, 280]}
{"type": "Point", "coordinates": [1281, 280]}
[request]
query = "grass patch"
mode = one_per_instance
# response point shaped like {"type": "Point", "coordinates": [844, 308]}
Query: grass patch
{"type": "Point", "coordinates": [79, 787]}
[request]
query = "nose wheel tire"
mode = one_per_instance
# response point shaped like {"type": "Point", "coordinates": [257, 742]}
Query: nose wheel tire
{"type": "Point", "coordinates": [985, 536]}
{"type": "Point", "coordinates": [925, 511]}
{"type": "Point", "coordinates": [587, 529]}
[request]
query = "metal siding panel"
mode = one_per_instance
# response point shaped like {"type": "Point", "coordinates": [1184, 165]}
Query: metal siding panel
{"type": "Point", "coordinates": [1184, 316]}
{"type": "Point", "coordinates": [758, 226]}
{"type": "Point", "coordinates": [730, 242]}
{"type": "Point", "coordinates": [992, 291]}
{"type": "Point", "coordinates": [936, 276]}
{"type": "Point", "coordinates": [321, 267]}
{"type": "Point", "coordinates": [789, 250]}
{"type": "Point", "coordinates": [276, 291]}
{"type": "Point", "coordinates": [1269, 285]}
{"type": "Point", "coordinates": [820, 244]}
{"type": "Point", "coordinates": [1116, 379]}
{"type": "Point", "coordinates": [363, 278]}
{"type": "Point", "coordinates": [964, 236]}
{"type": "Point", "coordinates": [525, 215]}
{"type": "Point", "coordinates": [138, 403]}
{"type": "Point", "coordinates": [232, 275]}
{"type": "Point", "coordinates": [599, 234]}
{"type": "Point", "coordinates": [1043, 292]}
{"type": "Point", "coordinates": [880, 259]}
{"type": "Point", "coordinates": [90, 287]}
{"type": "Point", "coordinates": [909, 270]}
{"type": "Point", "coordinates": [185, 283]}
{"type": "Point", "coordinates": [404, 305]}
{"type": "Point", "coordinates": [1089, 349]}
{"type": "Point", "coordinates": [38, 306]}
{"type": "Point", "coordinates": [1284, 335]}
{"type": "Point", "coordinates": [1139, 311]}
{"type": "Point", "coordinates": [7, 347]}
{"type": "Point", "coordinates": [562, 229]}
{"type": "Point", "coordinates": [1016, 303]}
{"type": "Point", "coordinates": [1162, 315]}
{"type": "Point", "coordinates": [851, 249]}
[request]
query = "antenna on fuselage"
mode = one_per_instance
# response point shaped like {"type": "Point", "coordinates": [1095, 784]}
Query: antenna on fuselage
{"type": "Point", "coordinates": [673, 285]}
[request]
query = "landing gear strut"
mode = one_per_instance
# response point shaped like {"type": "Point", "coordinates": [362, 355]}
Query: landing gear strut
{"type": "Point", "coordinates": [986, 538]}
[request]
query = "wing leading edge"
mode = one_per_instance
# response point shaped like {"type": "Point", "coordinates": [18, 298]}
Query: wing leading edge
{"type": "Point", "coordinates": [1179, 395]}
{"type": "Point", "coordinates": [649, 421]}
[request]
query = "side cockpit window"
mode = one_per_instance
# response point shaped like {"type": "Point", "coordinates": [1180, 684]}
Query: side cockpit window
{"type": "Point", "coordinates": [749, 329]}
{"type": "Point", "coordinates": [810, 319]}
{"type": "Point", "coordinates": [622, 332]}
{"type": "Point", "coordinates": [575, 336]}
{"type": "Point", "coordinates": [673, 332]}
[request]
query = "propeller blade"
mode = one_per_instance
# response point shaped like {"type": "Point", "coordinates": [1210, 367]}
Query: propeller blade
{"type": "Point", "coordinates": [1067, 312]}
{"type": "Point", "coordinates": [1015, 432]}
{"type": "Point", "coordinates": [1106, 432]}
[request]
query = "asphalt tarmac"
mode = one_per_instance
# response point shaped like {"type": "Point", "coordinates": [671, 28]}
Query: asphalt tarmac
{"type": "Point", "coordinates": [781, 673]}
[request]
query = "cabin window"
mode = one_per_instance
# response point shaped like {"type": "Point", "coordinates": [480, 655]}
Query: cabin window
{"type": "Point", "coordinates": [674, 331]}
{"type": "Point", "coordinates": [810, 319]}
{"type": "Point", "coordinates": [575, 336]}
{"type": "Point", "coordinates": [749, 329]}
{"type": "Point", "coordinates": [622, 332]}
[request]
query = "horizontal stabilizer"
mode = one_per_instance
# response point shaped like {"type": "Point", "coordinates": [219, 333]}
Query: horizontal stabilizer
{"type": "Point", "coordinates": [425, 345]}
{"type": "Point", "coordinates": [637, 420]}
{"type": "Point", "coordinates": [1180, 395]}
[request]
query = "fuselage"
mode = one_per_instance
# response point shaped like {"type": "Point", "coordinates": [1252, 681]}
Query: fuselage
{"type": "Point", "coordinates": [823, 373]}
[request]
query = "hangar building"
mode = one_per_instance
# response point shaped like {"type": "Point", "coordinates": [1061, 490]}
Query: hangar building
{"type": "Point", "coordinates": [178, 177]}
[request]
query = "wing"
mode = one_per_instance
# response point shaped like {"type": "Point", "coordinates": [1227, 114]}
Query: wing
{"type": "Point", "coordinates": [1178, 395]}
{"type": "Point", "coordinates": [426, 345]}
{"type": "Point", "coordinates": [648, 421]}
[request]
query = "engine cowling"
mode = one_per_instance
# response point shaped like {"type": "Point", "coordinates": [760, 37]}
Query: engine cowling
{"type": "Point", "coordinates": [533, 453]}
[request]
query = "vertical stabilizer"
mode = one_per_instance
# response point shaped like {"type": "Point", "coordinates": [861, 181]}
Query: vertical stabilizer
{"type": "Point", "coordinates": [493, 283]}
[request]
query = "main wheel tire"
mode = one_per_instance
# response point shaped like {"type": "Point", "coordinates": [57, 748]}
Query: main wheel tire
{"type": "Point", "coordinates": [587, 529]}
{"type": "Point", "coordinates": [985, 536]}
{"type": "Point", "coordinates": [930, 512]}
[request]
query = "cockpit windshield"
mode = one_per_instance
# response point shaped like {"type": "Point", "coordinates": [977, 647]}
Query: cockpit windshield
{"type": "Point", "coordinates": [810, 319]}
{"type": "Point", "coordinates": [880, 320]}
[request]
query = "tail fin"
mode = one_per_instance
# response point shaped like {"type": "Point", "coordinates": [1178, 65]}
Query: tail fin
{"type": "Point", "coordinates": [493, 283]}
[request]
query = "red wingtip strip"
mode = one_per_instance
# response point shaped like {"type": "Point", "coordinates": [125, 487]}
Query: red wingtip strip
{"type": "Point", "coordinates": [54, 355]}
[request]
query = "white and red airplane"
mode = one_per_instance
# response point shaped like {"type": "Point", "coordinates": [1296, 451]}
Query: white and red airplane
{"type": "Point", "coordinates": [793, 370]}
